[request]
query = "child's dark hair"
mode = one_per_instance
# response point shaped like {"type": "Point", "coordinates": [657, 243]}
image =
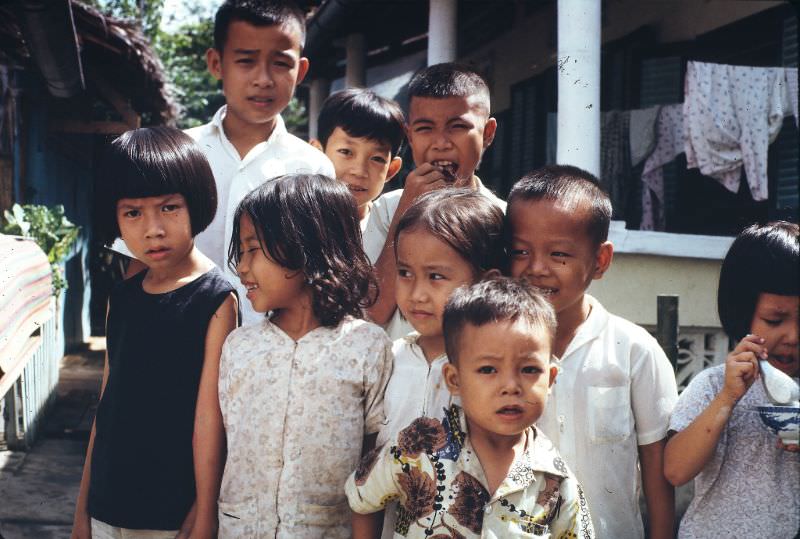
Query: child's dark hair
{"type": "Point", "coordinates": [362, 113]}
{"type": "Point", "coordinates": [491, 301]}
{"type": "Point", "coordinates": [257, 13]}
{"type": "Point", "coordinates": [571, 187]}
{"type": "Point", "coordinates": [462, 218]}
{"type": "Point", "coordinates": [309, 223]}
{"type": "Point", "coordinates": [762, 259]}
{"type": "Point", "coordinates": [450, 80]}
{"type": "Point", "coordinates": [150, 162]}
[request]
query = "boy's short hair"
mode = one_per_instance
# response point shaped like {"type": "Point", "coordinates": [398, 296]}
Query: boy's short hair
{"type": "Point", "coordinates": [570, 186]}
{"type": "Point", "coordinates": [450, 80]}
{"type": "Point", "coordinates": [150, 162]}
{"type": "Point", "coordinates": [257, 13]}
{"type": "Point", "coordinates": [464, 219]}
{"type": "Point", "coordinates": [494, 300]}
{"type": "Point", "coordinates": [364, 114]}
{"type": "Point", "coordinates": [762, 259]}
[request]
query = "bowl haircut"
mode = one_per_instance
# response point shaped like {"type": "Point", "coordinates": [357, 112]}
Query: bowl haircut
{"type": "Point", "coordinates": [362, 113]}
{"type": "Point", "coordinates": [572, 188]}
{"type": "Point", "coordinates": [258, 13]}
{"type": "Point", "coordinates": [309, 223]}
{"type": "Point", "coordinates": [762, 259]}
{"type": "Point", "coordinates": [464, 219]}
{"type": "Point", "coordinates": [491, 301]}
{"type": "Point", "coordinates": [151, 162]}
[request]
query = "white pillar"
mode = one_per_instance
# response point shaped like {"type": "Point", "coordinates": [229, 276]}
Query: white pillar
{"type": "Point", "coordinates": [316, 95]}
{"type": "Point", "coordinates": [579, 84]}
{"type": "Point", "coordinates": [355, 74]}
{"type": "Point", "coordinates": [442, 31]}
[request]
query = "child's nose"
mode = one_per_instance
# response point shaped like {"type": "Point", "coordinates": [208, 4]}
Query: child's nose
{"type": "Point", "coordinates": [538, 266]}
{"type": "Point", "coordinates": [441, 141]}
{"type": "Point", "coordinates": [263, 77]}
{"type": "Point", "coordinates": [511, 385]}
{"type": "Point", "coordinates": [154, 227]}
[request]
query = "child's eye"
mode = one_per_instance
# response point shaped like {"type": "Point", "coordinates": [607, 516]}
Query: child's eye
{"type": "Point", "coordinates": [132, 213]}
{"type": "Point", "coordinates": [530, 369]}
{"type": "Point", "coordinates": [771, 322]}
{"type": "Point", "coordinates": [437, 277]}
{"type": "Point", "coordinates": [560, 254]}
{"type": "Point", "coordinates": [487, 369]}
{"type": "Point", "coordinates": [404, 273]}
{"type": "Point", "coordinates": [379, 159]}
{"type": "Point", "coordinates": [169, 207]}
{"type": "Point", "coordinates": [244, 61]}
{"type": "Point", "coordinates": [459, 126]}
{"type": "Point", "coordinates": [285, 65]}
{"type": "Point", "coordinates": [518, 253]}
{"type": "Point", "coordinates": [344, 151]}
{"type": "Point", "coordinates": [422, 129]}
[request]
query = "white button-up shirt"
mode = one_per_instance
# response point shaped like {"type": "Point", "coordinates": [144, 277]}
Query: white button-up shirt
{"type": "Point", "coordinates": [282, 153]}
{"type": "Point", "coordinates": [615, 391]}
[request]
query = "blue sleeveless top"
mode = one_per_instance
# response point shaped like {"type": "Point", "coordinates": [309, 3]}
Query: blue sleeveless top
{"type": "Point", "coordinates": [142, 474]}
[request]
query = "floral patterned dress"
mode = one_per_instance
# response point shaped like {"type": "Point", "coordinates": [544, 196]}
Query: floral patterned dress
{"type": "Point", "coordinates": [295, 415]}
{"type": "Point", "coordinates": [434, 472]}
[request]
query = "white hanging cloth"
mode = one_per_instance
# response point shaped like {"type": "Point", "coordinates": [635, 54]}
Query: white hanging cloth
{"type": "Point", "coordinates": [731, 115]}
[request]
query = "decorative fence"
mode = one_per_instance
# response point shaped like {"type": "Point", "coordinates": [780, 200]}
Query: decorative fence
{"type": "Point", "coordinates": [29, 351]}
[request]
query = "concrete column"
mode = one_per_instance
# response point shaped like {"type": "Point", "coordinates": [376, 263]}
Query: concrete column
{"type": "Point", "coordinates": [355, 74]}
{"type": "Point", "coordinates": [579, 84]}
{"type": "Point", "coordinates": [442, 31]}
{"type": "Point", "coordinates": [316, 95]}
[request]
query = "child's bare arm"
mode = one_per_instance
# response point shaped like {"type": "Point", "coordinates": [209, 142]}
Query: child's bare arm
{"type": "Point", "coordinates": [422, 179]}
{"type": "Point", "coordinates": [658, 492]}
{"type": "Point", "coordinates": [81, 523]}
{"type": "Point", "coordinates": [689, 450]}
{"type": "Point", "coordinates": [366, 526]}
{"type": "Point", "coordinates": [209, 433]}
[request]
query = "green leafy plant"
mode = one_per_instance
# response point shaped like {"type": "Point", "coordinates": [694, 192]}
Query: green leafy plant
{"type": "Point", "coordinates": [50, 229]}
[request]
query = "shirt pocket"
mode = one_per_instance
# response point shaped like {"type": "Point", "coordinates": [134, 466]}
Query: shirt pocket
{"type": "Point", "coordinates": [609, 414]}
{"type": "Point", "coordinates": [238, 520]}
{"type": "Point", "coordinates": [326, 516]}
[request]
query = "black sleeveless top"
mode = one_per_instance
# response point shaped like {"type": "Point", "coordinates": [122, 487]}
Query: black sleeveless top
{"type": "Point", "coordinates": [142, 466]}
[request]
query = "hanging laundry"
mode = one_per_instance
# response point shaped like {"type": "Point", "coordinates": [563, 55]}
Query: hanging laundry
{"type": "Point", "coordinates": [615, 158]}
{"type": "Point", "coordinates": [731, 115]}
{"type": "Point", "coordinates": [669, 137]}
{"type": "Point", "coordinates": [643, 133]}
{"type": "Point", "coordinates": [791, 89]}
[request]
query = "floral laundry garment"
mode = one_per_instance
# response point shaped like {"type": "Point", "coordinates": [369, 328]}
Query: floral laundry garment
{"type": "Point", "coordinates": [434, 472]}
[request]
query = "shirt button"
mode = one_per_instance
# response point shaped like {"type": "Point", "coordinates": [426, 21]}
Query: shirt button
{"type": "Point", "coordinates": [487, 509]}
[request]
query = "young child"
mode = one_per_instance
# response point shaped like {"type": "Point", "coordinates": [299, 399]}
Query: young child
{"type": "Point", "coordinates": [447, 238]}
{"type": "Point", "coordinates": [165, 329]}
{"type": "Point", "coordinates": [361, 133]}
{"type": "Point", "coordinates": [449, 127]}
{"type": "Point", "coordinates": [299, 391]}
{"type": "Point", "coordinates": [257, 55]}
{"type": "Point", "coordinates": [717, 437]}
{"type": "Point", "coordinates": [484, 470]}
{"type": "Point", "coordinates": [609, 411]}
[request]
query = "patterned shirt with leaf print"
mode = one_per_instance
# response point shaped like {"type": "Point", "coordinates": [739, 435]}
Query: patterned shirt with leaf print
{"type": "Point", "coordinates": [433, 470]}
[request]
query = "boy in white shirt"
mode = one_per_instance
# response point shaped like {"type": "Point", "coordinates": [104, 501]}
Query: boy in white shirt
{"type": "Point", "coordinates": [449, 127]}
{"type": "Point", "coordinates": [257, 55]}
{"type": "Point", "coordinates": [610, 408]}
{"type": "Point", "coordinates": [361, 133]}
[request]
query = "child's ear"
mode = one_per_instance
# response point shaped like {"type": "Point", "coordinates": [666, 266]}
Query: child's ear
{"type": "Point", "coordinates": [302, 70]}
{"type": "Point", "coordinates": [491, 274]}
{"type": "Point", "coordinates": [317, 144]}
{"type": "Point", "coordinates": [603, 259]}
{"type": "Point", "coordinates": [553, 373]}
{"type": "Point", "coordinates": [214, 63]}
{"type": "Point", "coordinates": [394, 167]}
{"type": "Point", "coordinates": [450, 373]}
{"type": "Point", "coordinates": [489, 131]}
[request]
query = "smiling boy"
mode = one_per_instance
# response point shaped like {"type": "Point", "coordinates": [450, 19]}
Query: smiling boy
{"type": "Point", "coordinates": [449, 127]}
{"type": "Point", "coordinates": [361, 133]}
{"type": "Point", "coordinates": [258, 57]}
{"type": "Point", "coordinates": [484, 470]}
{"type": "Point", "coordinates": [610, 409]}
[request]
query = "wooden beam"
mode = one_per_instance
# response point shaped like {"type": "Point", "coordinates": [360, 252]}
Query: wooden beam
{"type": "Point", "coordinates": [117, 100]}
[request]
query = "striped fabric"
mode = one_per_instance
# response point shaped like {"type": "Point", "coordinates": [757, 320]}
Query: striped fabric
{"type": "Point", "coordinates": [25, 292]}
